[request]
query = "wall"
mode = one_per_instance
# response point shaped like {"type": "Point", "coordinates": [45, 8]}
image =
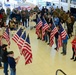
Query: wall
{"type": "Point", "coordinates": [64, 5]}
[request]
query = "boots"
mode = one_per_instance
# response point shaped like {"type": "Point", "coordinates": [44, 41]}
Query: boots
{"type": "Point", "coordinates": [75, 59]}
{"type": "Point", "coordinates": [71, 58]}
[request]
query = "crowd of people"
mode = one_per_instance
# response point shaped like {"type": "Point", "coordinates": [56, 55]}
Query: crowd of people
{"type": "Point", "coordinates": [52, 16]}
{"type": "Point", "coordinates": [57, 17]}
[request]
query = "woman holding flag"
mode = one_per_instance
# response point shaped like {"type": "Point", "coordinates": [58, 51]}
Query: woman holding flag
{"type": "Point", "coordinates": [74, 48]}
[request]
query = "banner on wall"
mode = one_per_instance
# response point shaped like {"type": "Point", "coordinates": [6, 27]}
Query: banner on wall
{"type": "Point", "coordinates": [24, 8]}
{"type": "Point", "coordinates": [64, 1]}
{"type": "Point", "coordinates": [48, 3]}
{"type": "Point", "coordinates": [7, 5]}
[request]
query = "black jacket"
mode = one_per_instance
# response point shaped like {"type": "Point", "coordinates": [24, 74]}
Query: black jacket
{"type": "Point", "coordinates": [4, 56]}
{"type": "Point", "coordinates": [0, 50]}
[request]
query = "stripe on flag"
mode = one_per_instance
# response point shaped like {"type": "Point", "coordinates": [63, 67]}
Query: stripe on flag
{"type": "Point", "coordinates": [52, 34]}
{"type": "Point", "coordinates": [59, 42]}
{"type": "Point", "coordinates": [38, 26]}
{"type": "Point", "coordinates": [26, 51]}
{"type": "Point", "coordinates": [62, 31]}
{"type": "Point", "coordinates": [21, 41]}
{"type": "Point", "coordinates": [16, 37]}
{"type": "Point", "coordinates": [45, 26]}
{"type": "Point", "coordinates": [7, 36]}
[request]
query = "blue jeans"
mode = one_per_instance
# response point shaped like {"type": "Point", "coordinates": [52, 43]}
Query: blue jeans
{"type": "Point", "coordinates": [45, 38]}
{"type": "Point", "coordinates": [0, 61]}
{"type": "Point", "coordinates": [64, 48]}
{"type": "Point", "coordinates": [56, 42]}
{"type": "Point", "coordinates": [24, 23]}
{"type": "Point", "coordinates": [6, 68]}
{"type": "Point", "coordinates": [13, 71]}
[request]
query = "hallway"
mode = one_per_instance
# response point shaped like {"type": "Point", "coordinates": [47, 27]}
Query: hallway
{"type": "Point", "coordinates": [46, 60]}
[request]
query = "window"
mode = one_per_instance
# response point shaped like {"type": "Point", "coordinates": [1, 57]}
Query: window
{"type": "Point", "coordinates": [73, 1]}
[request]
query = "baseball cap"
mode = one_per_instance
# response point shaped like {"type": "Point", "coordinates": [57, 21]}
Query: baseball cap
{"type": "Point", "coordinates": [11, 52]}
{"type": "Point", "coordinates": [4, 45]}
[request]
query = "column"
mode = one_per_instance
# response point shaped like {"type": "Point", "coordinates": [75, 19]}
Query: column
{"type": "Point", "coordinates": [59, 3]}
{"type": "Point", "coordinates": [69, 5]}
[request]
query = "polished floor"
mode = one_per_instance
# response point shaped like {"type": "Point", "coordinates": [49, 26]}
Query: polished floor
{"type": "Point", "coordinates": [46, 60]}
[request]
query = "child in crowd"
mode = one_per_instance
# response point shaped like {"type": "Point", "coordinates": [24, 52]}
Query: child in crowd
{"type": "Point", "coordinates": [12, 62]}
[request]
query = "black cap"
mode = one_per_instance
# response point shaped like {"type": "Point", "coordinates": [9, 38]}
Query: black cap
{"type": "Point", "coordinates": [10, 52]}
{"type": "Point", "coordinates": [4, 45]}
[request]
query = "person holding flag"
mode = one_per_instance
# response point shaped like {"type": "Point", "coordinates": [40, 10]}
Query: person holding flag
{"type": "Point", "coordinates": [49, 21]}
{"type": "Point", "coordinates": [74, 48]}
{"type": "Point", "coordinates": [12, 62]}
{"type": "Point", "coordinates": [54, 33]}
{"type": "Point", "coordinates": [5, 54]}
{"type": "Point", "coordinates": [56, 38]}
{"type": "Point", "coordinates": [38, 28]}
{"type": "Point", "coordinates": [64, 39]}
{"type": "Point", "coordinates": [45, 26]}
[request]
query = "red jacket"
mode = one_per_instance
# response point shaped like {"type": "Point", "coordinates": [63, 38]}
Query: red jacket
{"type": "Point", "coordinates": [1, 16]}
{"type": "Point", "coordinates": [73, 43]}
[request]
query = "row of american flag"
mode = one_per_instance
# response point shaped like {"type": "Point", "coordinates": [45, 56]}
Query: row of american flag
{"type": "Point", "coordinates": [44, 25]}
{"type": "Point", "coordinates": [23, 43]}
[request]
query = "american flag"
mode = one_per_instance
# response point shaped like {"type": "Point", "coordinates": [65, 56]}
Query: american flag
{"type": "Point", "coordinates": [62, 35]}
{"type": "Point", "coordinates": [21, 41]}
{"type": "Point", "coordinates": [62, 32]}
{"type": "Point", "coordinates": [39, 24]}
{"type": "Point", "coordinates": [52, 34]}
{"type": "Point", "coordinates": [26, 51]}
{"type": "Point", "coordinates": [59, 42]}
{"type": "Point", "coordinates": [6, 35]}
{"type": "Point", "coordinates": [45, 26]}
{"type": "Point", "coordinates": [17, 35]}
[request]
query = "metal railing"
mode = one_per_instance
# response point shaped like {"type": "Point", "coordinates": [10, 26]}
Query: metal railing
{"type": "Point", "coordinates": [60, 71]}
